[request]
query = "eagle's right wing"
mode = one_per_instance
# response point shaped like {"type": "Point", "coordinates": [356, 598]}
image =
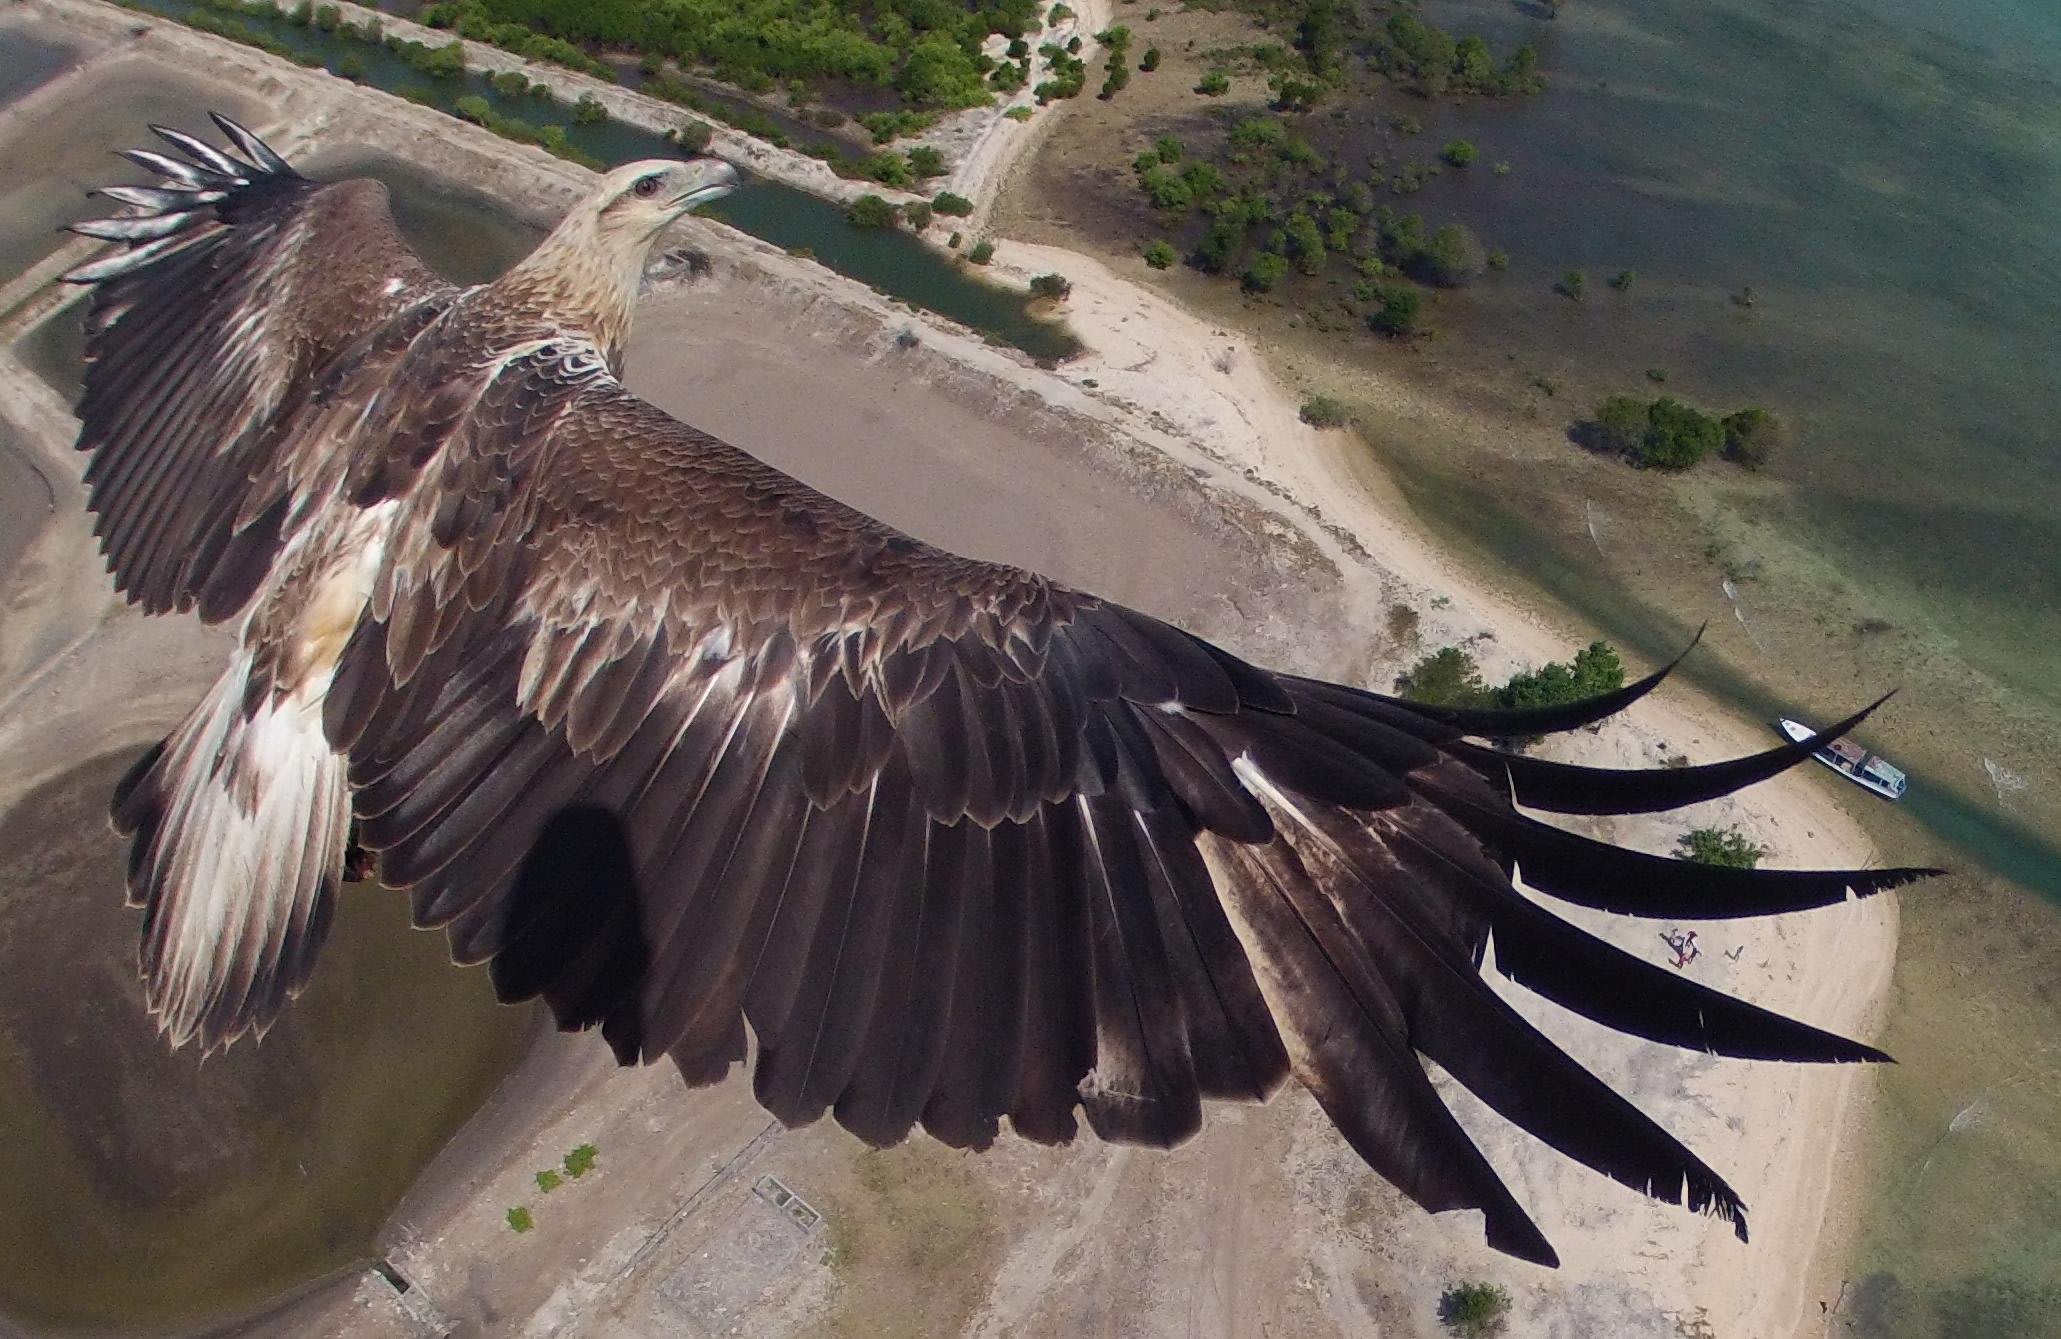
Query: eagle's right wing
{"type": "Point", "coordinates": [241, 289]}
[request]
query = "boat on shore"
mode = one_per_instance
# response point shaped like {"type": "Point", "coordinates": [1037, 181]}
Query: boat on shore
{"type": "Point", "coordinates": [1867, 770]}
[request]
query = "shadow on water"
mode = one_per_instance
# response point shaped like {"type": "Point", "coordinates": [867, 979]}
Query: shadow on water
{"type": "Point", "coordinates": [156, 1191]}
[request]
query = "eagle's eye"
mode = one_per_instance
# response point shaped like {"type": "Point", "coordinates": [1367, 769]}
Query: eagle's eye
{"type": "Point", "coordinates": [646, 187]}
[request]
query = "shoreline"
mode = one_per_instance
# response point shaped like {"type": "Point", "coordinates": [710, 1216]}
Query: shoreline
{"type": "Point", "coordinates": [1237, 433]}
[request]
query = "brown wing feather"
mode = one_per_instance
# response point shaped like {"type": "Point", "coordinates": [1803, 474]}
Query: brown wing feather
{"type": "Point", "coordinates": [237, 282]}
{"type": "Point", "coordinates": [936, 828]}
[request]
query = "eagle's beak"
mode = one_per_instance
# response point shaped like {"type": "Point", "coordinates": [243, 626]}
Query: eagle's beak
{"type": "Point", "coordinates": [708, 179]}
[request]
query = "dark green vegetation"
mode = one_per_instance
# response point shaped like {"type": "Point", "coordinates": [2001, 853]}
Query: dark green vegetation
{"type": "Point", "coordinates": [958, 206]}
{"type": "Point", "coordinates": [1267, 204]}
{"type": "Point", "coordinates": [520, 1219]}
{"type": "Point", "coordinates": [1448, 677]}
{"type": "Point", "coordinates": [1051, 287]}
{"type": "Point", "coordinates": [1160, 255]}
{"type": "Point", "coordinates": [983, 251]}
{"type": "Point", "coordinates": [871, 211]}
{"type": "Point", "coordinates": [1665, 434]}
{"type": "Point", "coordinates": [1321, 411]}
{"type": "Point", "coordinates": [924, 53]}
{"type": "Point", "coordinates": [549, 1180]}
{"type": "Point", "coordinates": [1474, 1310]}
{"type": "Point", "coordinates": [581, 1161]}
{"type": "Point", "coordinates": [1726, 846]}
{"type": "Point", "coordinates": [1459, 153]}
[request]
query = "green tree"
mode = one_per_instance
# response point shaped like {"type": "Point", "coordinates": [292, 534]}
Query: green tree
{"type": "Point", "coordinates": [958, 206]}
{"type": "Point", "coordinates": [939, 73]}
{"type": "Point", "coordinates": [581, 1161]}
{"type": "Point", "coordinates": [1448, 677]}
{"type": "Point", "coordinates": [1459, 153]}
{"type": "Point", "coordinates": [1726, 846]}
{"type": "Point", "coordinates": [1167, 149]}
{"type": "Point", "coordinates": [1150, 61]}
{"type": "Point", "coordinates": [983, 251]}
{"type": "Point", "coordinates": [588, 111]}
{"type": "Point", "coordinates": [926, 161]}
{"type": "Point", "coordinates": [694, 135]}
{"type": "Point", "coordinates": [1305, 243]}
{"type": "Point", "coordinates": [520, 1219]}
{"type": "Point", "coordinates": [1677, 436]}
{"type": "Point", "coordinates": [917, 214]}
{"type": "Point", "coordinates": [1166, 188]}
{"type": "Point", "coordinates": [1161, 255]}
{"type": "Point", "coordinates": [1052, 287]}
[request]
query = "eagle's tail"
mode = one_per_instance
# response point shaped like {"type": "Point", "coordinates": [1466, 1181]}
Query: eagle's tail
{"type": "Point", "coordinates": [238, 820]}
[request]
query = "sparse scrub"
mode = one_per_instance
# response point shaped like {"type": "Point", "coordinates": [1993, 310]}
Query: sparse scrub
{"type": "Point", "coordinates": [1474, 1310]}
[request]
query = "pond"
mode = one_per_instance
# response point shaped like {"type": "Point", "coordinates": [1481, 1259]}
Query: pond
{"type": "Point", "coordinates": [157, 1192]}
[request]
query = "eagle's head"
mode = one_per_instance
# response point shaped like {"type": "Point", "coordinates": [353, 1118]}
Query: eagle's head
{"type": "Point", "coordinates": [635, 202]}
{"type": "Point", "coordinates": [586, 273]}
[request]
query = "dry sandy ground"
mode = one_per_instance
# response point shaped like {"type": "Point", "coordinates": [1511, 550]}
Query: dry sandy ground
{"type": "Point", "coordinates": [1182, 482]}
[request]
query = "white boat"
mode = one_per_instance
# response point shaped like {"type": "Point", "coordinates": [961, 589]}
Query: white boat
{"type": "Point", "coordinates": [1853, 762]}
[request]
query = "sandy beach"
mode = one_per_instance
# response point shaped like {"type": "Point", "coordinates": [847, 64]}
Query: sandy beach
{"type": "Point", "coordinates": [1168, 468]}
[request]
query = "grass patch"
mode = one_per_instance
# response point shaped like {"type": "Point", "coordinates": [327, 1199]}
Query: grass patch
{"type": "Point", "coordinates": [913, 1242]}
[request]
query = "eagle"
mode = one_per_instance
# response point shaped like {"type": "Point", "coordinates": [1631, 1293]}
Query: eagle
{"type": "Point", "coordinates": [732, 772]}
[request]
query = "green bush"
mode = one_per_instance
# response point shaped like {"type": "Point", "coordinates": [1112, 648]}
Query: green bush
{"type": "Point", "coordinates": [917, 215]}
{"type": "Point", "coordinates": [1263, 271]}
{"type": "Point", "coordinates": [1459, 153]}
{"type": "Point", "coordinates": [926, 161]}
{"type": "Point", "coordinates": [1751, 436]}
{"type": "Point", "coordinates": [1450, 256]}
{"type": "Point", "coordinates": [871, 211]}
{"type": "Point", "coordinates": [1573, 284]}
{"type": "Point", "coordinates": [1727, 847]}
{"type": "Point", "coordinates": [1402, 307]}
{"type": "Point", "coordinates": [1053, 287]}
{"type": "Point", "coordinates": [1448, 677]}
{"type": "Point", "coordinates": [1161, 255]}
{"type": "Point", "coordinates": [1321, 411]}
{"type": "Point", "coordinates": [351, 66]}
{"type": "Point", "coordinates": [1150, 61]}
{"type": "Point", "coordinates": [1499, 260]}
{"type": "Point", "coordinates": [983, 252]}
{"type": "Point", "coordinates": [1677, 436]}
{"type": "Point", "coordinates": [958, 206]}
{"type": "Point", "coordinates": [549, 1180]}
{"type": "Point", "coordinates": [519, 1218]}
{"type": "Point", "coordinates": [1595, 670]}
{"type": "Point", "coordinates": [1214, 84]}
{"type": "Point", "coordinates": [1474, 1310]}
{"type": "Point", "coordinates": [588, 111]}
{"type": "Point", "coordinates": [581, 1161]}
{"type": "Point", "coordinates": [1622, 280]}
{"type": "Point", "coordinates": [694, 136]}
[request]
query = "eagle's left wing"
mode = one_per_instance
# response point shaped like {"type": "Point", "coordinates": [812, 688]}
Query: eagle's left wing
{"type": "Point", "coordinates": [238, 286]}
